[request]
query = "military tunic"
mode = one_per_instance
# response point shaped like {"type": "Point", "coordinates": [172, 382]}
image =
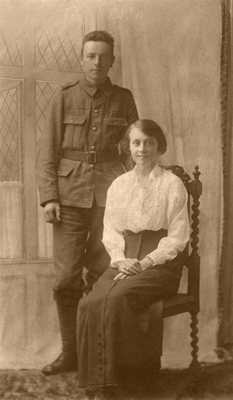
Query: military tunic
{"type": "Point", "coordinates": [84, 120]}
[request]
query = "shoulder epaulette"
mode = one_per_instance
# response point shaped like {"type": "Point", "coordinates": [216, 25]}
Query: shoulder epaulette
{"type": "Point", "coordinates": [70, 84]}
{"type": "Point", "coordinates": [120, 87]}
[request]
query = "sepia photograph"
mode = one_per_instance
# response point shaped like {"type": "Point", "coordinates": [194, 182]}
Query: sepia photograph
{"type": "Point", "coordinates": [116, 200]}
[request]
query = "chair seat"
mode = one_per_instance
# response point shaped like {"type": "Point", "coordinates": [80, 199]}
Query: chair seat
{"type": "Point", "coordinates": [179, 304]}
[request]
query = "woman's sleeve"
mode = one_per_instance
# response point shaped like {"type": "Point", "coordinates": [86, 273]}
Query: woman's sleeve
{"type": "Point", "coordinates": [113, 238]}
{"type": "Point", "coordinates": [178, 226]}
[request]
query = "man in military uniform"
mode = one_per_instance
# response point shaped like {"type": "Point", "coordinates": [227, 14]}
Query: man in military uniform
{"type": "Point", "coordinates": [77, 160]}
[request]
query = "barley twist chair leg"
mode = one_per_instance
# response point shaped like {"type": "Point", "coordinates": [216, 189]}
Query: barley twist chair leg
{"type": "Point", "coordinates": [195, 365]}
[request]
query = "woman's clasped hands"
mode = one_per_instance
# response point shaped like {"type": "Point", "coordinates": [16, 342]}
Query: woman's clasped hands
{"type": "Point", "coordinates": [127, 268]}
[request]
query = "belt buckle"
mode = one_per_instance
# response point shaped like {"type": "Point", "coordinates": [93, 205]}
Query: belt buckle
{"type": "Point", "coordinates": [91, 157]}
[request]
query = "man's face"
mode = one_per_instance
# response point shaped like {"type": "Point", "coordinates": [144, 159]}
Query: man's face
{"type": "Point", "coordinates": [96, 61]}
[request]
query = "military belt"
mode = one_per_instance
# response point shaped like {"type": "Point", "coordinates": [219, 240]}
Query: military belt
{"type": "Point", "coordinates": [91, 157]}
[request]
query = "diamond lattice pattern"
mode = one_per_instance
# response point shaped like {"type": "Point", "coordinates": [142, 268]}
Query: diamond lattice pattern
{"type": "Point", "coordinates": [44, 94]}
{"type": "Point", "coordinates": [57, 51]}
{"type": "Point", "coordinates": [11, 51]}
{"type": "Point", "coordinates": [9, 160]}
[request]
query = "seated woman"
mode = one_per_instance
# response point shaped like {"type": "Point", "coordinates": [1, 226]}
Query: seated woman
{"type": "Point", "coordinates": [146, 228]}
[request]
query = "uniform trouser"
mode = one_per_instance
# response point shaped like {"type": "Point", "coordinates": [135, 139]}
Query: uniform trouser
{"type": "Point", "coordinates": [77, 243]}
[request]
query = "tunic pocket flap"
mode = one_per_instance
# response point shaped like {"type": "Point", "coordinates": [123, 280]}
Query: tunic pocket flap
{"type": "Point", "coordinates": [64, 170]}
{"type": "Point", "coordinates": [116, 121]}
{"type": "Point", "coordinates": [74, 119]}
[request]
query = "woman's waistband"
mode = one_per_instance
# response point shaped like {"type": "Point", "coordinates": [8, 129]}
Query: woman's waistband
{"type": "Point", "coordinates": [157, 234]}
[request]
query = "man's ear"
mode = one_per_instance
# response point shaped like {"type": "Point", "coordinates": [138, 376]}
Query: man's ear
{"type": "Point", "coordinates": [113, 59]}
{"type": "Point", "coordinates": [81, 59]}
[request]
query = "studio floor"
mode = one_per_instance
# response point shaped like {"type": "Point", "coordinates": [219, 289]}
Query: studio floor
{"type": "Point", "coordinates": [212, 382]}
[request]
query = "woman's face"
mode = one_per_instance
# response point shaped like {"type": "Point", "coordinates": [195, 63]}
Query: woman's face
{"type": "Point", "coordinates": [144, 149]}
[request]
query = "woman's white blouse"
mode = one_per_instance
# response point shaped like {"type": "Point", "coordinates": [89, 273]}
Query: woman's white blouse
{"type": "Point", "coordinates": [160, 204]}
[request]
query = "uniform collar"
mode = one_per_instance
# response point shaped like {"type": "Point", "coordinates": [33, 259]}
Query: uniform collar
{"type": "Point", "coordinates": [106, 87]}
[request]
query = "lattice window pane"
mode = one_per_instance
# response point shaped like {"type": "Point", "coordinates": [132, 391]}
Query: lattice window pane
{"type": "Point", "coordinates": [57, 50]}
{"type": "Point", "coordinates": [44, 94]}
{"type": "Point", "coordinates": [11, 50]}
{"type": "Point", "coordinates": [9, 159]}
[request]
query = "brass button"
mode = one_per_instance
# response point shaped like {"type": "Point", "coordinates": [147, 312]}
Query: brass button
{"type": "Point", "coordinates": [59, 172]}
{"type": "Point", "coordinates": [94, 128]}
{"type": "Point", "coordinates": [92, 165]}
{"type": "Point", "coordinates": [96, 111]}
{"type": "Point", "coordinates": [71, 120]}
{"type": "Point", "coordinates": [115, 123]}
{"type": "Point", "coordinates": [92, 147]}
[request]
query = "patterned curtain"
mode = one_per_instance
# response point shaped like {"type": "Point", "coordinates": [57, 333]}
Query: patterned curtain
{"type": "Point", "coordinates": [168, 54]}
{"type": "Point", "coordinates": [225, 334]}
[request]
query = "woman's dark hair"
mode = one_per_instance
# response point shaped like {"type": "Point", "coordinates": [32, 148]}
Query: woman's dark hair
{"type": "Point", "coordinates": [151, 129]}
{"type": "Point", "coordinates": [98, 36]}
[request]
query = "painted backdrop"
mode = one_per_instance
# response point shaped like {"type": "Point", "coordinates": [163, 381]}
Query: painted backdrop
{"type": "Point", "coordinates": [168, 54]}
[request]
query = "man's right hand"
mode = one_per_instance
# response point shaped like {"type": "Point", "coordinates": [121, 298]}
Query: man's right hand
{"type": "Point", "coordinates": [52, 212]}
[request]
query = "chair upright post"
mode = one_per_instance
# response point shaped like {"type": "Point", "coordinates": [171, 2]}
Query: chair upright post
{"type": "Point", "coordinates": [195, 190]}
{"type": "Point", "coordinates": [189, 301]}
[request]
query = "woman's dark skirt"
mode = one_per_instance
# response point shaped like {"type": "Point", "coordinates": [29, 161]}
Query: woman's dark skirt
{"type": "Point", "coordinates": [120, 323]}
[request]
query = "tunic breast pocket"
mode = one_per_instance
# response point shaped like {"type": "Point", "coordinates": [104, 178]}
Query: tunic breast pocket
{"type": "Point", "coordinates": [74, 130]}
{"type": "Point", "coordinates": [115, 128]}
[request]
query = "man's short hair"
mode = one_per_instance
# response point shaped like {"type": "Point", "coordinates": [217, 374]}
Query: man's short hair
{"type": "Point", "coordinates": [98, 36]}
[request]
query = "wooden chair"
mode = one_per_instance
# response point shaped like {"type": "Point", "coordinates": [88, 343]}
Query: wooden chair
{"type": "Point", "coordinates": [189, 301]}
